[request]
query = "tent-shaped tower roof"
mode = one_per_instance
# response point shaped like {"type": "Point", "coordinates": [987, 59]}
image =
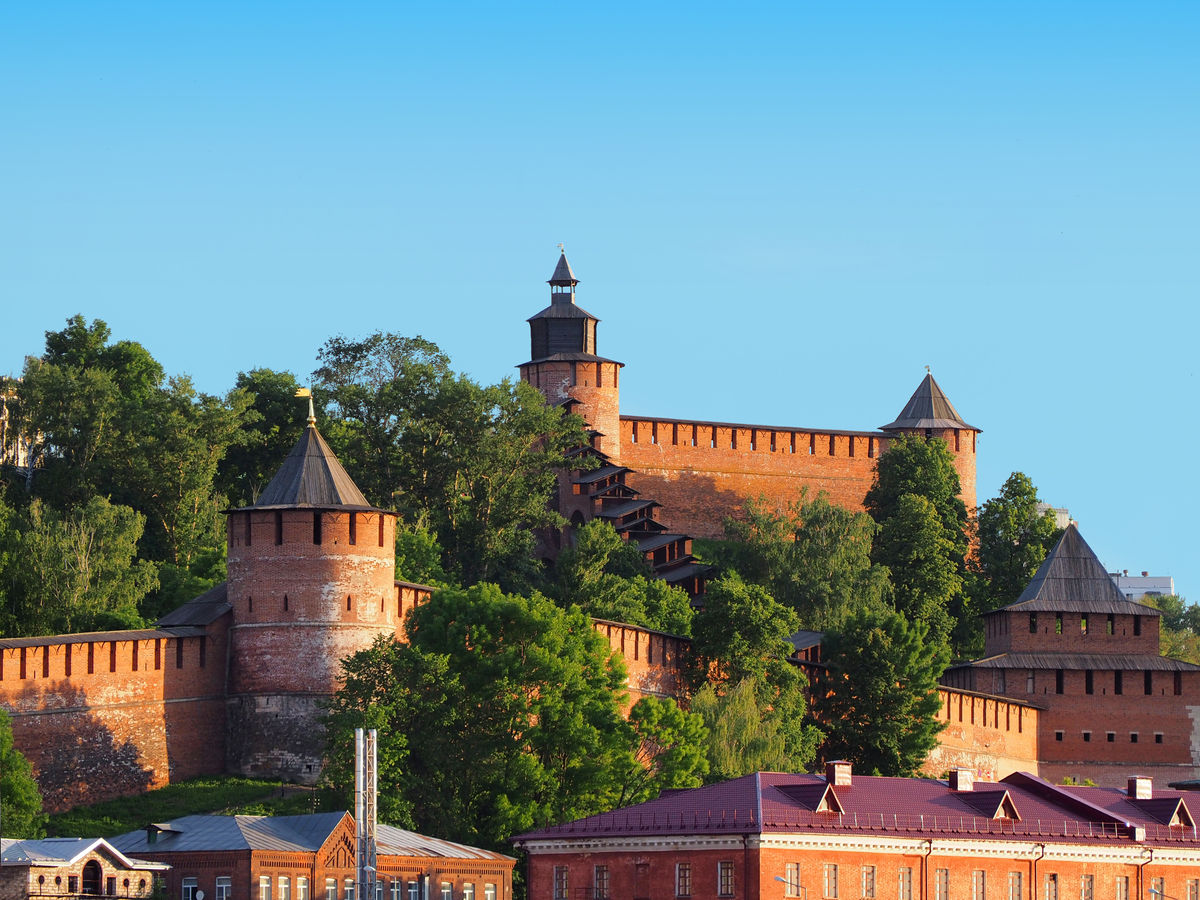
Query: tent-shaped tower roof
{"type": "Point", "coordinates": [311, 476]}
{"type": "Point", "coordinates": [929, 407]}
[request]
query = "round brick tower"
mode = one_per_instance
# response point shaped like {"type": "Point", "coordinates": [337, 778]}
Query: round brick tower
{"type": "Point", "coordinates": [311, 580]}
{"type": "Point", "coordinates": [930, 413]}
{"type": "Point", "coordinates": [564, 366]}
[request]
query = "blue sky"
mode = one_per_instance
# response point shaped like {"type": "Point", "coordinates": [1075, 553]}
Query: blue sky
{"type": "Point", "coordinates": [781, 213]}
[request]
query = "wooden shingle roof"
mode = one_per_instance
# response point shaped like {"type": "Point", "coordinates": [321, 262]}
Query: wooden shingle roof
{"type": "Point", "coordinates": [311, 476]}
{"type": "Point", "coordinates": [928, 407]}
{"type": "Point", "coordinates": [563, 275]}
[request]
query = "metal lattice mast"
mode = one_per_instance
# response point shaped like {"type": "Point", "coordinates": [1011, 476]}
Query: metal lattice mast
{"type": "Point", "coordinates": [365, 818]}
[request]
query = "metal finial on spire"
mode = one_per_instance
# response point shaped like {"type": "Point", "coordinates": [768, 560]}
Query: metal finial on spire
{"type": "Point", "coordinates": [560, 247]}
{"type": "Point", "coordinates": [312, 413]}
{"type": "Point", "coordinates": [927, 369]}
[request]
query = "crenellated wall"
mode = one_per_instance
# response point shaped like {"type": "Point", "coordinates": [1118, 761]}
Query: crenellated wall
{"type": "Point", "coordinates": [653, 659]}
{"type": "Point", "coordinates": [993, 736]}
{"type": "Point", "coordinates": [108, 714]}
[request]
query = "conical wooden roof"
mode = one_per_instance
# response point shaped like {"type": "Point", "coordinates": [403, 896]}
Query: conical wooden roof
{"type": "Point", "coordinates": [929, 407]}
{"type": "Point", "coordinates": [562, 273]}
{"type": "Point", "coordinates": [1072, 579]}
{"type": "Point", "coordinates": [311, 476]}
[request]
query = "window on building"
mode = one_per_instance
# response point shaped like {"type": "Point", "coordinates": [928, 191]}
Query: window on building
{"type": "Point", "coordinates": [791, 877]}
{"type": "Point", "coordinates": [1158, 888]}
{"type": "Point", "coordinates": [1118, 682]}
{"type": "Point", "coordinates": [1058, 735]}
{"type": "Point", "coordinates": [1087, 737]}
{"type": "Point", "coordinates": [1015, 888]}
{"type": "Point", "coordinates": [1058, 623]}
{"type": "Point", "coordinates": [489, 891]}
{"type": "Point", "coordinates": [725, 878]}
{"type": "Point", "coordinates": [1033, 623]}
{"type": "Point", "coordinates": [264, 887]}
{"type": "Point", "coordinates": [1137, 626]}
{"type": "Point", "coordinates": [330, 889]}
{"type": "Point", "coordinates": [1158, 737]}
{"type": "Point", "coordinates": [1108, 626]}
{"type": "Point", "coordinates": [1148, 682]}
{"type": "Point", "coordinates": [395, 889]}
{"type": "Point", "coordinates": [1083, 624]}
{"type": "Point", "coordinates": [72, 884]}
{"type": "Point", "coordinates": [1029, 682]}
{"type": "Point", "coordinates": [1110, 736]}
{"type": "Point", "coordinates": [868, 882]}
{"type": "Point", "coordinates": [301, 889]}
{"type": "Point", "coordinates": [942, 884]}
{"type": "Point", "coordinates": [1087, 887]}
{"type": "Point", "coordinates": [414, 891]}
{"type": "Point", "coordinates": [447, 891]}
{"type": "Point", "coordinates": [224, 887]}
{"type": "Point", "coordinates": [561, 882]}
{"type": "Point", "coordinates": [1193, 889]}
{"type": "Point", "coordinates": [830, 880]}
{"type": "Point", "coordinates": [1088, 684]}
{"type": "Point", "coordinates": [1178, 683]}
{"type": "Point", "coordinates": [110, 885]}
{"type": "Point", "coordinates": [1058, 681]}
{"type": "Point", "coordinates": [683, 879]}
{"type": "Point", "coordinates": [1133, 737]}
{"type": "Point", "coordinates": [1122, 887]}
{"type": "Point", "coordinates": [187, 888]}
{"type": "Point", "coordinates": [600, 882]}
{"type": "Point", "coordinates": [1050, 886]}
{"type": "Point", "coordinates": [468, 890]}
{"type": "Point", "coordinates": [978, 885]}
{"type": "Point", "coordinates": [285, 888]}
{"type": "Point", "coordinates": [348, 889]}
{"type": "Point", "coordinates": [904, 891]}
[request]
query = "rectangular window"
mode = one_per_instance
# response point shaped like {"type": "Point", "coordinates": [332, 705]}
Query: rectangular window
{"type": "Point", "coordinates": [330, 889]}
{"type": "Point", "coordinates": [905, 887]}
{"type": "Point", "coordinates": [600, 882]}
{"type": "Point", "coordinates": [1014, 886]}
{"type": "Point", "coordinates": [468, 890]}
{"type": "Point", "coordinates": [791, 877]}
{"type": "Point", "coordinates": [1158, 888]}
{"type": "Point", "coordinates": [1118, 682]}
{"type": "Point", "coordinates": [1178, 686]}
{"type": "Point", "coordinates": [1087, 736]}
{"type": "Point", "coordinates": [978, 885]}
{"type": "Point", "coordinates": [1148, 682]}
{"type": "Point", "coordinates": [1122, 887]}
{"type": "Point", "coordinates": [1058, 681]}
{"type": "Point", "coordinates": [1087, 887]}
{"type": "Point", "coordinates": [395, 889]}
{"type": "Point", "coordinates": [72, 884]}
{"type": "Point", "coordinates": [353, 529]}
{"type": "Point", "coordinates": [187, 888]}
{"type": "Point", "coordinates": [1058, 623]}
{"type": "Point", "coordinates": [1033, 623]}
{"type": "Point", "coordinates": [348, 889]}
{"type": "Point", "coordinates": [561, 882]}
{"type": "Point", "coordinates": [489, 891]}
{"type": "Point", "coordinates": [1058, 735]}
{"type": "Point", "coordinates": [830, 883]}
{"type": "Point", "coordinates": [379, 890]}
{"type": "Point", "coordinates": [1029, 682]}
{"type": "Point", "coordinates": [868, 882]}
{"type": "Point", "coordinates": [1050, 886]}
{"type": "Point", "coordinates": [1137, 626]}
{"type": "Point", "coordinates": [110, 885]}
{"type": "Point", "coordinates": [683, 879]}
{"type": "Point", "coordinates": [301, 889]}
{"type": "Point", "coordinates": [225, 887]}
{"type": "Point", "coordinates": [1110, 736]}
{"type": "Point", "coordinates": [1083, 624]}
{"type": "Point", "coordinates": [1108, 627]}
{"type": "Point", "coordinates": [1193, 889]}
{"type": "Point", "coordinates": [447, 891]}
{"type": "Point", "coordinates": [1133, 737]}
{"type": "Point", "coordinates": [942, 884]}
{"type": "Point", "coordinates": [1088, 685]}
{"type": "Point", "coordinates": [264, 887]}
{"type": "Point", "coordinates": [285, 888]}
{"type": "Point", "coordinates": [725, 878]}
{"type": "Point", "coordinates": [414, 891]}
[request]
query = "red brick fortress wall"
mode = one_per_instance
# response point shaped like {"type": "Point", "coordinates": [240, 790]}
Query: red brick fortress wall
{"type": "Point", "coordinates": [103, 716]}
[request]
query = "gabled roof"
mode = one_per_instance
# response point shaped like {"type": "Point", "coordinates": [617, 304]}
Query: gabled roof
{"type": "Point", "coordinates": [65, 851]}
{"type": "Point", "coordinates": [200, 611]}
{"type": "Point", "coordinates": [563, 275]}
{"type": "Point", "coordinates": [307, 833]}
{"type": "Point", "coordinates": [311, 476]}
{"type": "Point", "coordinates": [1072, 579]}
{"type": "Point", "coordinates": [994, 804]}
{"type": "Point", "coordinates": [928, 407]}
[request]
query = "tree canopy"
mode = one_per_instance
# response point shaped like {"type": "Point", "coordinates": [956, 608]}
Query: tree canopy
{"type": "Point", "coordinates": [20, 800]}
{"type": "Point", "coordinates": [1014, 538]}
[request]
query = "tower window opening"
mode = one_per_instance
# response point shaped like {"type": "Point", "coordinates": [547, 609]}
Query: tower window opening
{"type": "Point", "coordinates": [812, 445]}
{"type": "Point", "coordinates": [831, 445]}
{"type": "Point", "coordinates": [317, 527]}
{"type": "Point", "coordinates": [112, 656]}
{"type": "Point", "coordinates": [347, 603]}
{"type": "Point", "coordinates": [203, 650]}
{"type": "Point", "coordinates": [1083, 624]}
{"type": "Point", "coordinates": [956, 440]}
{"type": "Point", "coordinates": [1058, 681]}
{"type": "Point", "coordinates": [179, 653]}
{"type": "Point", "coordinates": [852, 448]}
{"type": "Point", "coordinates": [1137, 626]}
{"type": "Point", "coordinates": [381, 529]}
{"type": "Point", "coordinates": [1033, 623]}
{"type": "Point", "coordinates": [285, 602]}
{"type": "Point", "coordinates": [246, 522]}
{"type": "Point", "coordinates": [1108, 626]}
{"type": "Point", "coordinates": [1148, 681]}
{"type": "Point", "coordinates": [1058, 623]}
{"type": "Point", "coordinates": [353, 529]}
{"type": "Point", "coordinates": [249, 604]}
{"type": "Point", "coordinates": [278, 527]}
{"type": "Point", "coordinates": [870, 448]}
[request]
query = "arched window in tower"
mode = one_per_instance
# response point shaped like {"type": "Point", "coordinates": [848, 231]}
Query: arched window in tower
{"type": "Point", "coordinates": [91, 878]}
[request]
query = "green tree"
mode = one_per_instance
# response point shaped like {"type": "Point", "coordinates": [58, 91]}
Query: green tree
{"type": "Point", "coordinates": [742, 633]}
{"type": "Point", "coordinates": [608, 578]}
{"type": "Point", "coordinates": [1014, 538]}
{"type": "Point", "coordinates": [879, 697]}
{"type": "Point", "coordinates": [1179, 628]}
{"type": "Point", "coordinates": [477, 464]}
{"type": "Point", "coordinates": [20, 799]}
{"type": "Point", "coordinates": [742, 737]}
{"type": "Point", "coordinates": [668, 750]}
{"type": "Point", "coordinates": [814, 558]}
{"type": "Point", "coordinates": [924, 467]}
{"type": "Point", "coordinates": [925, 580]}
{"type": "Point", "coordinates": [73, 572]}
{"type": "Point", "coordinates": [506, 715]}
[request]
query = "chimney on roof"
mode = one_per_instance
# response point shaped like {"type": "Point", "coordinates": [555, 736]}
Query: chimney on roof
{"type": "Point", "coordinates": [1140, 788]}
{"type": "Point", "coordinates": [838, 773]}
{"type": "Point", "coordinates": [962, 779]}
{"type": "Point", "coordinates": [1125, 572]}
{"type": "Point", "coordinates": [1145, 574]}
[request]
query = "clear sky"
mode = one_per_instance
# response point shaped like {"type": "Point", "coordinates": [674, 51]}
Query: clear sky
{"type": "Point", "coordinates": [781, 212]}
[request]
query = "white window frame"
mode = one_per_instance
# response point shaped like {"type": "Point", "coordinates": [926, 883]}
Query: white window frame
{"type": "Point", "coordinates": [285, 887]}
{"type": "Point", "coordinates": [189, 886]}
{"type": "Point", "coordinates": [301, 887]}
{"type": "Point", "coordinates": [224, 887]}
{"type": "Point", "coordinates": [1016, 885]}
{"type": "Point", "coordinates": [791, 877]}
{"type": "Point", "coordinates": [683, 879]}
{"type": "Point", "coordinates": [904, 883]}
{"type": "Point", "coordinates": [562, 882]}
{"type": "Point", "coordinates": [829, 881]}
{"type": "Point", "coordinates": [264, 887]}
{"type": "Point", "coordinates": [868, 882]}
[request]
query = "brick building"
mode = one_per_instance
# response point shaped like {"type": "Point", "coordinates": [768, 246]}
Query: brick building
{"type": "Point", "coordinates": [773, 835]}
{"type": "Point", "coordinates": [311, 858]}
{"type": "Point", "coordinates": [1075, 645]}
{"type": "Point", "coordinates": [72, 868]}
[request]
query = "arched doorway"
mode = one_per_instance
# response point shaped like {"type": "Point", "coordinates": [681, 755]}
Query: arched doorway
{"type": "Point", "coordinates": [91, 878]}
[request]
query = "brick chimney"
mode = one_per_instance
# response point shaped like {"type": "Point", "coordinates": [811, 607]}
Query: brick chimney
{"type": "Point", "coordinates": [838, 773]}
{"type": "Point", "coordinates": [962, 779]}
{"type": "Point", "coordinates": [1140, 788]}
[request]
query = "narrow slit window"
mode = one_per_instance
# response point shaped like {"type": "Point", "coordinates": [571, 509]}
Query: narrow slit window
{"type": "Point", "coordinates": [278, 527]}
{"type": "Point", "coordinates": [353, 528]}
{"type": "Point", "coordinates": [317, 527]}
